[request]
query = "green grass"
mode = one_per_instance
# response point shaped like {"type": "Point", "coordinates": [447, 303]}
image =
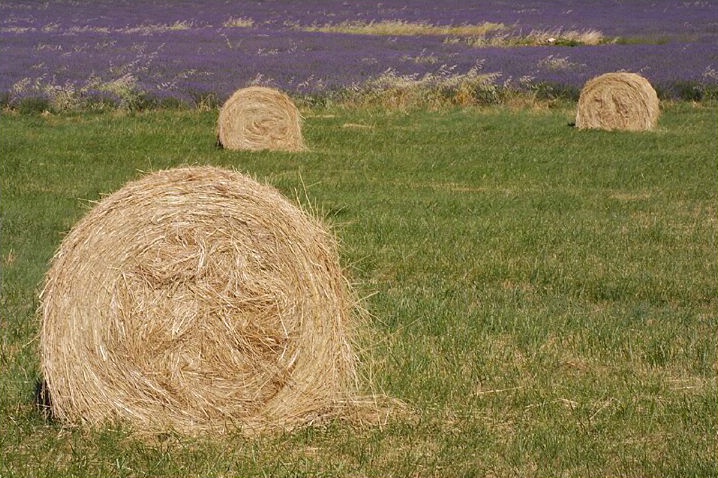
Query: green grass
{"type": "Point", "coordinates": [546, 299]}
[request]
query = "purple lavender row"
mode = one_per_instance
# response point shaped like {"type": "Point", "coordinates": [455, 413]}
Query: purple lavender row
{"type": "Point", "coordinates": [630, 18]}
{"type": "Point", "coordinates": [175, 50]}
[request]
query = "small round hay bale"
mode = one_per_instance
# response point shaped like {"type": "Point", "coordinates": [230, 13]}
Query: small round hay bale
{"type": "Point", "coordinates": [618, 101]}
{"type": "Point", "coordinates": [198, 300]}
{"type": "Point", "coordinates": [259, 118]}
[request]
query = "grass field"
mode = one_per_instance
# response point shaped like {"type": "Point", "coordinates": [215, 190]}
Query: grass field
{"type": "Point", "coordinates": [544, 299]}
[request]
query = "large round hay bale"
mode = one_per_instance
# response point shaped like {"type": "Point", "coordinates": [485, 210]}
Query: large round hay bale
{"type": "Point", "coordinates": [618, 101]}
{"type": "Point", "coordinates": [196, 300]}
{"type": "Point", "coordinates": [260, 118]}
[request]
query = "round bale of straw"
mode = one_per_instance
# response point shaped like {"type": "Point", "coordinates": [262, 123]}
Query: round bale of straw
{"type": "Point", "coordinates": [196, 300]}
{"type": "Point", "coordinates": [260, 118]}
{"type": "Point", "coordinates": [618, 101]}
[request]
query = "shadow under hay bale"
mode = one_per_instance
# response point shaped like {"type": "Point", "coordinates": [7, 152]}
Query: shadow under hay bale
{"type": "Point", "coordinates": [618, 101]}
{"type": "Point", "coordinates": [43, 401]}
{"type": "Point", "coordinates": [198, 300]}
{"type": "Point", "coordinates": [260, 118]}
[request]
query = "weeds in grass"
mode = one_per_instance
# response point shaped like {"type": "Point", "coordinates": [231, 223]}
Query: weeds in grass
{"type": "Point", "coordinates": [484, 34]}
{"type": "Point", "coordinates": [401, 27]}
{"type": "Point", "coordinates": [556, 37]}
{"type": "Point", "coordinates": [239, 22]}
{"type": "Point", "coordinates": [394, 91]}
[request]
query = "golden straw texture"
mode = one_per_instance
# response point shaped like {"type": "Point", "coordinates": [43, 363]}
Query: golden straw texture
{"type": "Point", "coordinates": [618, 101]}
{"type": "Point", "coordinates": [259, 118]}
{"type": "Point", "coordinates": [198, 300]}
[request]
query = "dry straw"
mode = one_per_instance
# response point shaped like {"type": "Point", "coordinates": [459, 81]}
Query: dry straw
{"type": "Point", "coordinates": [198, 300]}
{"type": "Point", "coordinates": [259, 118]}
{"type": "Point", "coordinates": [618, 101]}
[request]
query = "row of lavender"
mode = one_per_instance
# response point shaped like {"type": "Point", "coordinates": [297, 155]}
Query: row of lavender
{"type": "Point", "coordinates": [121, 51]}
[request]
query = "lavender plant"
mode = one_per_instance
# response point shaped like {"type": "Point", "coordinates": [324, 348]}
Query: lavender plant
{"type": "Point", "coordinates": [80, 54]}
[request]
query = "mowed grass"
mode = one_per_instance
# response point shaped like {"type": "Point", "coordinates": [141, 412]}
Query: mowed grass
{"type": "Point", "coordinates": [544, 299]}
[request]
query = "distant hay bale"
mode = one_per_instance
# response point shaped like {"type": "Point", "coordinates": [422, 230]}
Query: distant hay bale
{"type": "Point", "coordinates": [618, 101]}
{"type": "Point", "coordinates": [259, 118]}
{"type": "Point", "coordinates": [198, 300]}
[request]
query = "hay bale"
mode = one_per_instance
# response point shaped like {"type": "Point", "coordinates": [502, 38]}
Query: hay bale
{"type": "Point", "coordinates": [618, 101]}
{"type": "Point", "coordinates": [198, 300]}
{"type": "Point", "coordinates": [259, 118]}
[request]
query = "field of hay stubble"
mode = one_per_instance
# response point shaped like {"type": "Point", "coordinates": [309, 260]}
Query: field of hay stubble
{"type": "Point", "coordinates": [543, 298]}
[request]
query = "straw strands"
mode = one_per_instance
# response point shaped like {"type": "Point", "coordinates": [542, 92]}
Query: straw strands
{"type": "Point", "coordinates": [618, 101]}
{"type": "Point", "coordinates": [260, 118]}
{"type": "Point", "coordinates": [199, 300]}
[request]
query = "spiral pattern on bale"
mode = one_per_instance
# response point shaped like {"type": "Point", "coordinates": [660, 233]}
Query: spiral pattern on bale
{"type": "Point", "coordinates": [618, 101]}
{"type": "Point", "coordinates": [197, 299]}
{"type": "Point", "coordinates": [260, 118]}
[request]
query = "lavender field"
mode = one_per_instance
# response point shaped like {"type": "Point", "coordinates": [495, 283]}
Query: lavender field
{"type": "Point", "coordinates": [75, 54]}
